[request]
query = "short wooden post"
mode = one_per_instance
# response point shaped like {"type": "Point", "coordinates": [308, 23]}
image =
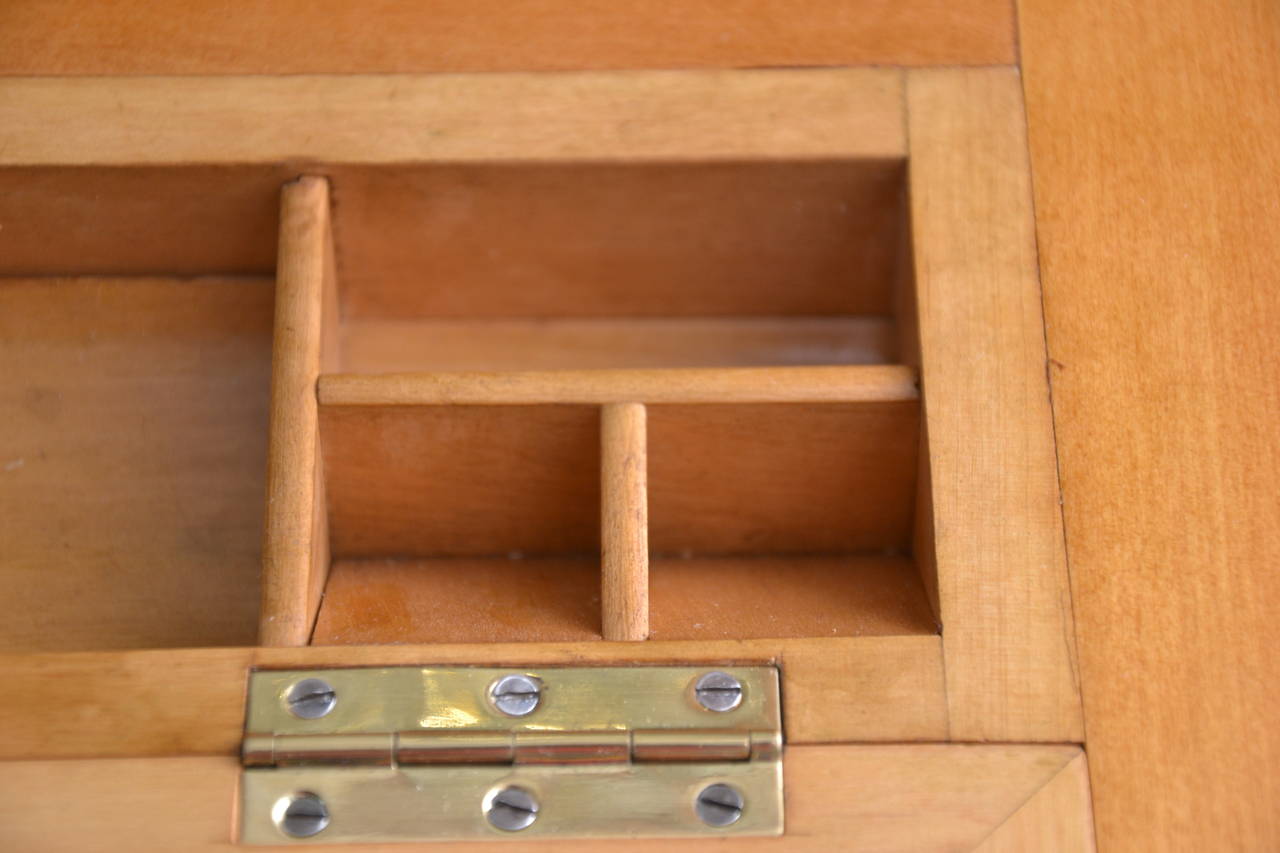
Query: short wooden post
{"type": "Point", "coordinates": [624, 512]}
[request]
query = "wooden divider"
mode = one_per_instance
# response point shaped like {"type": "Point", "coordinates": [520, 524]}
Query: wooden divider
{"type": "Point", "coordinates": [624, 522]}
{"type": "Point", "coordinates": [295, 552]}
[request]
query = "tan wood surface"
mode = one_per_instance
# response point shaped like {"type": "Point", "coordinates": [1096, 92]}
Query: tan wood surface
{"type": "Point", "coordinates": [293, 37]}
{"type": "Point", "coordinates": [781, 230]}
{"type": "Point", "coordinates": [498, 599]}
{"type": "Point", "coordinates": [624, 522]}
{"type": "Point", "coordinates": [379, 119]}
{"type": "Point", "coordinates": [1153, 132]}
{"type": "Point", "coordinates": [490, 479]}
{"type": "Point", "coordinates": [191, 701]}
{"type": "Point", "coordinates": [1001, 568]}
{"type": "Point", "coordinates": [295, 551]}
{"type": "Point", "coordinates": [884, 798]}
{"type": "Point", "coordinates": [825, 384]}
{"type": "Point", "coordinates": [132, 453]}
{"type": "Point", "coordinates": [404, 346]}
{"type": "Point", "coordinates": [1057, 817]}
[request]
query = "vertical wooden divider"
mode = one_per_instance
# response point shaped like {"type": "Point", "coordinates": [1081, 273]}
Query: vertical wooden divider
{"type": "Point", "coordinates": [624, 522]}
{"type": "Point", "coordinates": [295, 554]}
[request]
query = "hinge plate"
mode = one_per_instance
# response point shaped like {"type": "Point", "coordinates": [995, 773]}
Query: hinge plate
{"type": "Point", "coordinates": [421, 753]}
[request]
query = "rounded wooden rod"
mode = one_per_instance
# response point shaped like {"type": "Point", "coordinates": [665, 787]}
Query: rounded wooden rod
{"type": "Point", "coordinates": [624, 521]}
{"type": "Point", "coordinates": [293, 548]}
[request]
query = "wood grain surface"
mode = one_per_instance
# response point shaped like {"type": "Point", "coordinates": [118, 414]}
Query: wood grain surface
{"type": "Point", "coordinates": [726, 116]}
{"type": "Point", "coordinates": [496, 599]}
{"type": "Point", "coordinates": [890, 798]}
{"type": "Point", "coordinates": [191, 701]}
{"type": "Point", "coordinates": [332, 36]}
{"type": "Point", "coordinates": [1153, 130]}
{"type": "Point", "coordinates": [405, 346]}
{"type": "Point", "coordinates": [945, 798]}
{"type": "Point", "coordinates": [133, 440]}
{"type": "Point", "coordinates": [1001, 569]}
{"type": "Point", "coordinates": [295, 549]}
{"type": "Point", "coordinates": [624, 522]}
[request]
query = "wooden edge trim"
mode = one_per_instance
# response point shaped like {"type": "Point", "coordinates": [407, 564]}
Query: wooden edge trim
{"type": "Point", "coordinates": [509, 117]}
{"type": "Point", "coordinates": [624, 522]}
{"type": "Point", "coordinates": [843, 384]}
{"type": "Point", "coordinates": [892, 798]}
{"type": "Point", "coordinates": [191, 701]}
{"type": "Point", "coordinates": [292, 553]}
{"type": "Point", "coordinates": [1056, 818]}
{"type": "Point", "coordinates": [998, 547]}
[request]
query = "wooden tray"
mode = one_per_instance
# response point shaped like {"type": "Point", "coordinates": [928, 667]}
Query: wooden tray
{"type": "Point", "coordinates": [702, 366]}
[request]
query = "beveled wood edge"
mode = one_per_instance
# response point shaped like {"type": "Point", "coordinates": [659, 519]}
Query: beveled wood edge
{"type": "Point", "coordinates": [1056, 818]}
{"type": "Point", "coordinates": [414, 118]}
{"type": "Point", "coordinates": [834, 384]}
{"type": "Point", "coordinates": [191, 701]}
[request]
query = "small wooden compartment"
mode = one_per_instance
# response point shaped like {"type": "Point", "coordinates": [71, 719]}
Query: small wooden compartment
{"type": "Point", "coordinates": [485, 315]}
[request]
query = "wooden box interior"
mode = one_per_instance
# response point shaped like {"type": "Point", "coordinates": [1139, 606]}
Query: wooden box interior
{"type": "Point", "coordinates": [135, 458]}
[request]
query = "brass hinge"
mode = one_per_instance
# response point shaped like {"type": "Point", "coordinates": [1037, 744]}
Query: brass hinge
{"type": "Point", "coordinates": [417, 754]}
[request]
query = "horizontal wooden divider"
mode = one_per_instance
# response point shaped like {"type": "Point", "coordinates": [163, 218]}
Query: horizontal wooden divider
{"type": "Point", "coordinates": [837, 384]}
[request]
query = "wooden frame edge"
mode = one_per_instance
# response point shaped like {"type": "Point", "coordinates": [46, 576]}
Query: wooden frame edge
{"type": "Point", "coordinates": [1000, 556]}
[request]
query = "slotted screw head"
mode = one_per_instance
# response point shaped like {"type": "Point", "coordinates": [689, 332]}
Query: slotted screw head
{"type": "Point", "coordinates": [301, 815]}
{"type": "Point", "coordinates": [719, 805]}
{"type": "Point", "coordinates": [516, 695]}
{"type": "Point", "coordinates": [311, 698]}
{"type": "Point", "coordinates": [511, 808]}
{"type": "Point", "coordinates": [718, 691]}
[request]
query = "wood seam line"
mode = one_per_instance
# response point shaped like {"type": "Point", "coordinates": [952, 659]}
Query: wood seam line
{"type": "Point", "coordinates": [289, 526]}
{"type": "Point", "coordinates": [1074, 638]}
{"type": "Point", "coordinates": [624, 522]}
{"type": "Point", "coordinates": [1023, 802]}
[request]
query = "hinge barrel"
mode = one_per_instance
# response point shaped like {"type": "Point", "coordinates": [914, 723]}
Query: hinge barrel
{"type": "Point", "coordinates": [510, 747]}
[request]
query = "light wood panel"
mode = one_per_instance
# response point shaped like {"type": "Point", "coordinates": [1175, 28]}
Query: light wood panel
{"type": "Point", "coordinates": [624, 522]}
{"type": "Point", "coordinates": [405, 346]}
{"type": "Point", "coordinates": [833, 384]}
{"type": "Point", "coordinates": [462, 480]}
{"type": "Point", "coordinates": [885, 798]}
{"type": "Point", "coordinates": [430, 480]}
{"type": "Point", "coordinates": [177, 220]}
{"type": "Point", "coordinates": [487, 600]}
{"type": "Point", "coordinates": [398, 119]}
{"type": "Point", "coordinates": [1154, 149]}
{"type": "Point", "coordinates": [779, 479]}
{"type": "Point", "coordinates": [291, 37]}
{"type": "Point", "coordinates": [295, 551]}
{"type": "Point", "coordinates": [1057, 817]}
{"type": "Point", "coordinates": [191, 702]}
{"type": "Point", "coordinates": [132, 451]}
{"type": "Point", "coordinates": [1001, 568]}
{"type": "Point", "coordinates": [770, 233]}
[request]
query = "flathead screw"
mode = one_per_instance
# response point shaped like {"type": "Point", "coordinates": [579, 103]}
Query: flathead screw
{"type": "Point", "coordinates": [311, 698]}
{"type": "Point", "coordinates": [511, 809]}
{"type": "Point", "coordinates": [718, 691]}
{"type": "Point", "coordinates": [516, 695]}
{"type": "Point", "coordinates": [719, 805]}
{"type": "Point", "coordinates": [301, 815]}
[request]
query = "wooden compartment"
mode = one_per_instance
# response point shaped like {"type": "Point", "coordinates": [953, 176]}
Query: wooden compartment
{"type": "Point", "coordinates": [132, 455]}
{"type": "Point", "coordinates": [576, 358]}
{"type": "Point", "coordinates": [484, 314]}
{"type": "Point", "coordinates": [588, 265]}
